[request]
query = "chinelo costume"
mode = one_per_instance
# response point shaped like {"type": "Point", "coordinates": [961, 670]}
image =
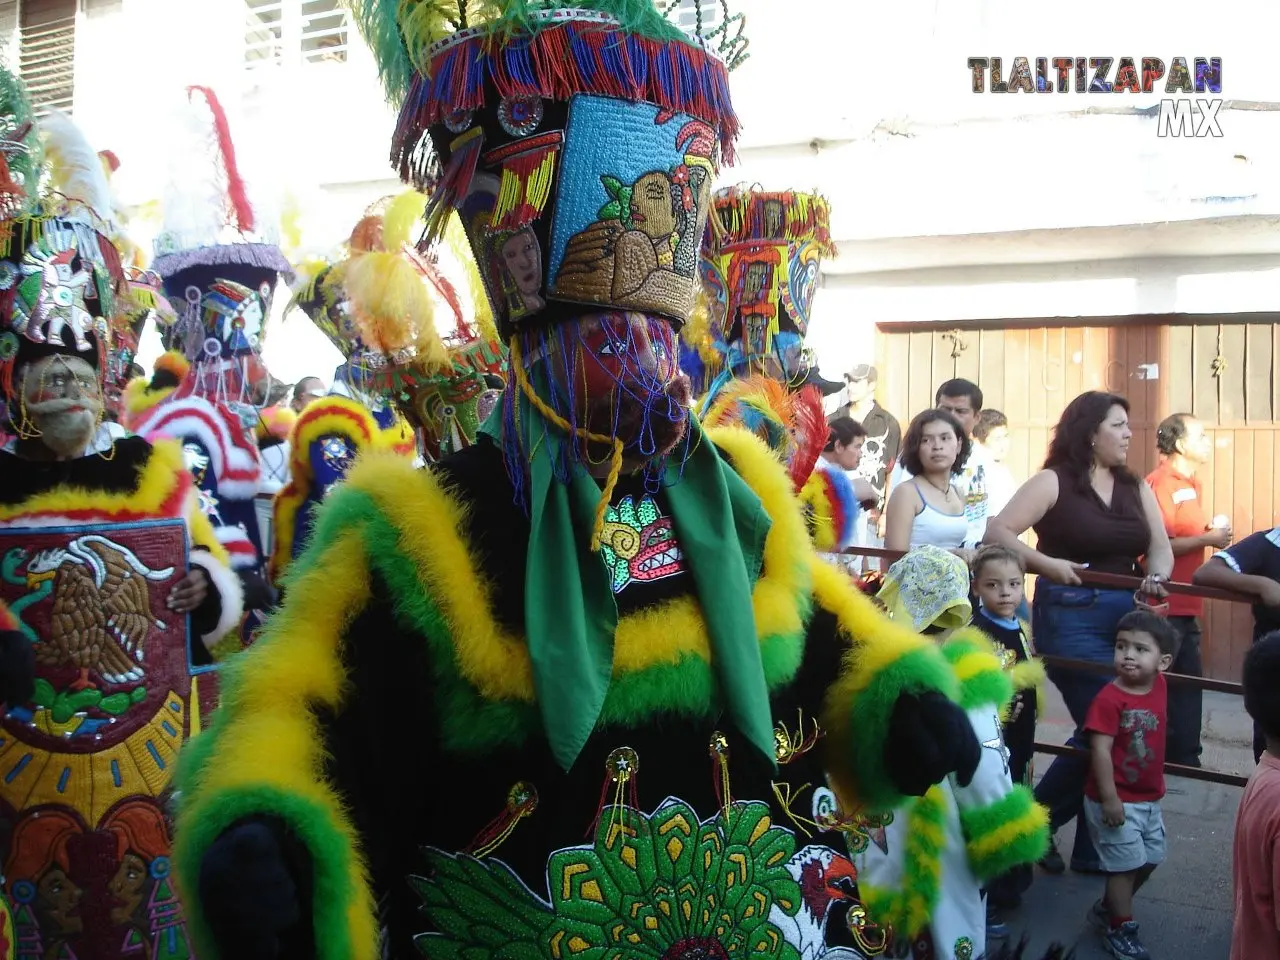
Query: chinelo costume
{"type": "Point", "coordinates": [219, 265]}
{"type": "Point", "coordinates": [578, 687]}
{"type": "Point", "coordinates": [923, 871]}
{"type": "Point", "coordinates": [97, 528]}
{"type": "Point", "coordinates": [377, 306]}
{"type": "Point", "coordinates": [759, 271]}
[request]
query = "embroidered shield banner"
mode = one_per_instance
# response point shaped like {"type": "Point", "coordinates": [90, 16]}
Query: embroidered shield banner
{"type": "Point", "coordinates": [85, 764]}
{"type": "Point", "coordinates": [110, 655]}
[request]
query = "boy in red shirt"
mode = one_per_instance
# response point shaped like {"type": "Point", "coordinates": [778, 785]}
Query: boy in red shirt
{"type": "Point", "coordinates": [1126, 727]}
{"type": "Point", "coordinates": [1256, 857]}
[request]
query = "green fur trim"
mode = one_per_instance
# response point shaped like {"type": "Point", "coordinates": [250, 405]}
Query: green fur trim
{"type": "Point", "coordinates": [908, 909]}
{"type": "Point", "coordinates": [920, 671]}
{"type": "Point", "coordinates": [982, 680]}
{"type": "Point", "coordinates": [471, 724]}
{"type": "Point", "coordinates": [1008, 833]}
{"type": "Point", "coordinates": [332, 869]}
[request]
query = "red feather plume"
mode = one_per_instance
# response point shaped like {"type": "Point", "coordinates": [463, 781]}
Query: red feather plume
{"type": "Point", "coordinates": [809, 426]}
{"type": "Point", "coordinates": [237, 192]}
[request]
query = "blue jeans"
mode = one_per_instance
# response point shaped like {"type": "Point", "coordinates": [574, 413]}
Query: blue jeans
{"type": "Point", "coordinates": [1078, 623]}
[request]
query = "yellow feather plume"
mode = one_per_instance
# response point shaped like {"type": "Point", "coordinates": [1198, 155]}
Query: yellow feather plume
{"type": "Point", "coordinates": [402, 216]}
{"type": "Point", "coordinates": [392, 305]}
{"type": "Point", "coordinates": [455, 238]}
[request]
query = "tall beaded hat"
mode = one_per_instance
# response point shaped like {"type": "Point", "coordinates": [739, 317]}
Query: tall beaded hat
{"type": "Point", "coordinates": [760, 267]}
{"type": "Point", "coordinates": [59, 270]}
{"type": "Point", "coordinates": [217, 253]}
{"type": "Point", "coordinates": [577, 144]}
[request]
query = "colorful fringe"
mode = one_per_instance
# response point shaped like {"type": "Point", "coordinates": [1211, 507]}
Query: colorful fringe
{"type": "Point", "coordinates": [742, 216]}
{"type": "Point", "coordinates": [586, 54]}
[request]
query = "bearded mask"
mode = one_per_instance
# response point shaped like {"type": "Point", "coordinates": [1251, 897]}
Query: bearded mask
{"type": "Point", "coordinates": [62, 403]}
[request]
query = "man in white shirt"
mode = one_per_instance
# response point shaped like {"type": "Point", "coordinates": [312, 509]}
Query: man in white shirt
{"type": "Point", "coordinates": [962, 399]}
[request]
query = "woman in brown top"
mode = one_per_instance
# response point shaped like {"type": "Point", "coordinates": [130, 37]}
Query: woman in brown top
{"type": "Point", "coordinates": [1088, 512]}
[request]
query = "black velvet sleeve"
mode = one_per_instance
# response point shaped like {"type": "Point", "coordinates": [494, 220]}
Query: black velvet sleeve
{"type": "Point", "coordinates": [382, 747]}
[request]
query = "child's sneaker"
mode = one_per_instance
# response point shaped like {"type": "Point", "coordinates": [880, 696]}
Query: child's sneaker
{"type": "Point", "coordinates": [1100, 917]}
{"type": "Point", "coordinates": [1122, 942]}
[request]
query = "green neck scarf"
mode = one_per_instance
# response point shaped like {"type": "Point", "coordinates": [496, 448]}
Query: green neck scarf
{"type": "Point", "coordinates": [571, 616]}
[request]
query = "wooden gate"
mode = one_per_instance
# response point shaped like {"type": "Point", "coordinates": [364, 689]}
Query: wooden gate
{"type": "Point", "coordinates": [1221, 369]}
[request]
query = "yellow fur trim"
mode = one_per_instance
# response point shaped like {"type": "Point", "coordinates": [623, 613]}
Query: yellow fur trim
{"type": "Point", "coordinates": [267, 741]}
{"type": "Point", "coordinates": [159, 480]}
{"type": "Point", "coordinates": [138, 399]}
{"type": "Point", "coordinates": [495, 661]}
{"type": "Point", "coordinates": [1034, 821]}
{"type": "Point", "coordinates": [822, 521]}
{"type": "Point", "coordinates": [878, 643]}
{"type": "Point", "coordinates": [328, 416]}
{"type": "Point", "coordinates": [201, 531]}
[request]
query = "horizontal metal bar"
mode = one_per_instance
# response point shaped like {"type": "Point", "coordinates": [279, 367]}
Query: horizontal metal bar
{"type": "Point", "coordinates": [1177, 679]}
{"type": "Point", "coordinates": [1094, 578]}
{"type": "Point", "coordinates": [1172, 769]}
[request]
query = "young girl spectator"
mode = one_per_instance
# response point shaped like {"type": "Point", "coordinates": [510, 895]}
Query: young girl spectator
{"type": "Point", "coordinates": [1089, 512]}
{"type": "Point", "coordinates": [1255, 930]}
{"type": "Point", "coordinates": [1126, 727]}
{"type": "Point", "coordinates": [929, 509]}
{"type": "Point", "coordinates": [922, 872]}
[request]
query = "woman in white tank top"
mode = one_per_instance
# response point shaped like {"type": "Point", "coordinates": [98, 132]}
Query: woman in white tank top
{"type": "Point", "coordinates": [929, 508]}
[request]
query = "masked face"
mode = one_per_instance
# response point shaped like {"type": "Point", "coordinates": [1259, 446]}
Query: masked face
{"type": "Point", "coordinates": [623, 380]}
{"type": "Point", "coordinates": [63, 400]}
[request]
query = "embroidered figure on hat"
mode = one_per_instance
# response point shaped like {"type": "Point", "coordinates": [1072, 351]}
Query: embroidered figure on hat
{"type": "Point", "coordinates": [641, 250]}
{"type": "Point", "coordinates": [50, 297]}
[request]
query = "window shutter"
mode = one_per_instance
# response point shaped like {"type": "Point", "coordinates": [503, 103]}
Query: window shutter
{"type": "Point", "coordinates": [46, 52]}
{"type": "Point", "coordinates": [324, 32]}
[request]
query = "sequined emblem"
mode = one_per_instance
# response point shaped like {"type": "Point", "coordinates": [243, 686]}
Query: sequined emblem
{"type": "Point", "coordinates": [964, 949]}
{"type": "Point", "coordinates": [520, 116]}
{"type": "Point", "coordinates": [639, 544]}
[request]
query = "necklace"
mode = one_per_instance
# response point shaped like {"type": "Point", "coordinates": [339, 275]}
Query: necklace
{"type": "Point", "coordinates": [945, 491]}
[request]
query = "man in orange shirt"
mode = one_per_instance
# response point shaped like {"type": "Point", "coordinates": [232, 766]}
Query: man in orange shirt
{"type": "Point", "coordinates": [1184, 446]}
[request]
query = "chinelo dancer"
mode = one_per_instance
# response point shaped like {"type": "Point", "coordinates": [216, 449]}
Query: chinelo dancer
{"type": "Point", "coordinates": [109, 571]}
{"type": "Point", "coordinates": [570, 686]}
{"type": "Point", "coordinates": [219, 263]}
{"type": "Point", "coordinates": [377, 306]}
{"type": "Point", "coordinates": [759, 270]}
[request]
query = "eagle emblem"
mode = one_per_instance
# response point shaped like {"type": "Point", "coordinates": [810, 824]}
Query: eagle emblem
{"type": "Point", "coordinates": [101, 615]}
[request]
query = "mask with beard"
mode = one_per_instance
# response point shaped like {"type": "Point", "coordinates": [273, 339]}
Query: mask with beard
{"type": "Point", "coordinates": [616, 375]}
{"type": "Point", "coordinates": [62, 400]}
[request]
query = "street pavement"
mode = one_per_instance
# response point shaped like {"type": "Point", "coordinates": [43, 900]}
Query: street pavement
{"type": "Point", "coordinates": [1185, 910]}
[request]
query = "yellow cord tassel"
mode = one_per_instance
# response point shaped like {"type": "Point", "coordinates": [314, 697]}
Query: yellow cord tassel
{"type": "Point", "coordinates": [615, 463]}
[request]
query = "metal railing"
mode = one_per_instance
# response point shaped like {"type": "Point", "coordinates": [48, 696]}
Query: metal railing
{"type": "Point", "coordinates": [1116, 581]}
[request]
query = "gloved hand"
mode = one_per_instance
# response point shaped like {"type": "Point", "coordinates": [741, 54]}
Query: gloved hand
{"type": "Point", "coordinates": [249, 894]}
{"type": "Point", "coordinates": [929, 737]}
{"type": "Point", "coordinates": [17, 667]}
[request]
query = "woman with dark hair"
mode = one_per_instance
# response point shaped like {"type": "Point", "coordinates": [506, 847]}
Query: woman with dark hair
{"type": "Point", "coordinates": [1089, 512]}
{"type": "Point", "coordinates": [929, 508]}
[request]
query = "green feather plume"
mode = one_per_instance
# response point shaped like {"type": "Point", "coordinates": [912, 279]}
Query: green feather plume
{"type": "Point", "coordinates": [16, 112]}
{"type": "Point", "coordinates": [399, 32]}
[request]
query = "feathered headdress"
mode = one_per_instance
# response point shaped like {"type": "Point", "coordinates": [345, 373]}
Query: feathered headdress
{"type": "Point", "coordinates": [60, 273]}
{"type": "Point", "coordinates": [21, 152]}
{"type": "Point", "coordinates": [501, 103]}
{"type": "Point", "coordinates": [215, 244]}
